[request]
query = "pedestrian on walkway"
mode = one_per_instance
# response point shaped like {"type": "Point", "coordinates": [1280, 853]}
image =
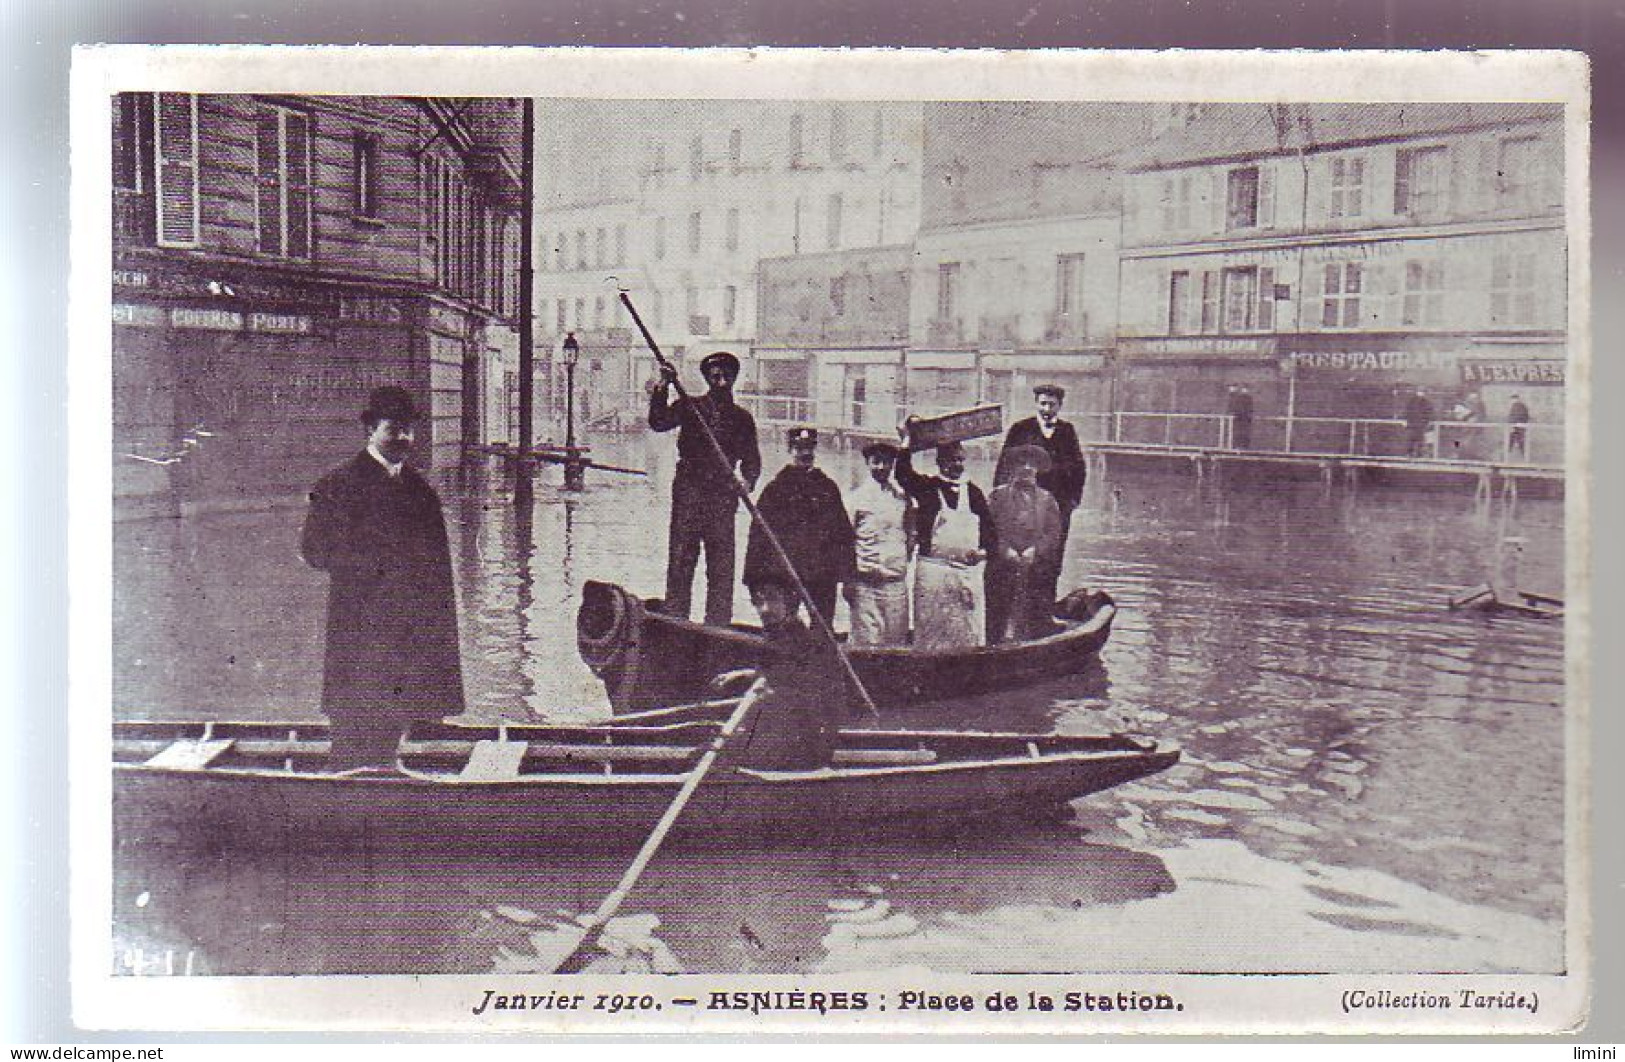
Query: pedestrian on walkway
{"type": "Point", "coordinates": [804, 508]}
{"type": "Point", "coordinates": [1418, 422]}
{"type": "Point", "coordinates": [1518, 434]}
{"type": "Point", "coordinates": [1239, 408]}
{"type": "Point", "coordinates": [703, 494]}
{"type": "Point", "coordinates": [376, 527]}
{"type": "Point", "coordinates": [877, 594]}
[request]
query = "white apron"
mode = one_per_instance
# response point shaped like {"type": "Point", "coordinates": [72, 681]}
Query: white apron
{"type": "Point", "coordinates": [947, 597]}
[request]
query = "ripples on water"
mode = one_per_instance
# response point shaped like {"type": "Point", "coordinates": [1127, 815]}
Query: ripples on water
{"type": "Point", "coordinates": [1370, 782]}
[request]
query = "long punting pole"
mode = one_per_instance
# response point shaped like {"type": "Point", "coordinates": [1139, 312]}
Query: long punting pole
{"type": "Point", "coordinates": [594, 925]}
{"type": "Point", "coordinates": [527, 279]}
{"type": "Point", "coordinates": [755, 514]}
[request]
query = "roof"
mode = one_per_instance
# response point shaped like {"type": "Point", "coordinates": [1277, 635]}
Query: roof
{"type": "Point", "coordinates": [1241, 130]}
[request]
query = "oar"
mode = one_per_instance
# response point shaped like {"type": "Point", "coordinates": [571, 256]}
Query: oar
{"type": "Point", "coordinates": [740, 489]}
{"type": "Point", "coordinates": [593, 927]}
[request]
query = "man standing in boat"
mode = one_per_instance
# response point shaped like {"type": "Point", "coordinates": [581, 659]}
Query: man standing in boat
{"type": "Point", "coordinates": [703, 495]}
{"type": "Point", "coordinates": [803, 506]}
{"type": "Point", "coordinates": [1067, 470]}
{"type": "Point", "coordinates": [376, 527]}
{"type": "Point", "coordinates": [877, 594]}
{"type": "Point", "coordinates": [954, 529]}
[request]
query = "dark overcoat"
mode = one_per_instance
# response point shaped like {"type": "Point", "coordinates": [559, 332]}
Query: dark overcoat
{"type": "Point", "coordinates": [804, 508]}
{"type": "Point", "coordinates": [1067, 473]}
{"type": "Point", "coordinates": [392, 651]}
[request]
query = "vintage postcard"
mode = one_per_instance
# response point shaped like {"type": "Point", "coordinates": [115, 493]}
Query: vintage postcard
{"type": "Point", "coordinates": [757, 541]}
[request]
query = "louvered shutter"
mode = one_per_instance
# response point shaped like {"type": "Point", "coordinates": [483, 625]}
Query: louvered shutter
{"type": "Point", "coordinates": [297, 130]}
{"type": "Point", "coordinates": [1266, 196]}
{"type": "Point", "coordinates": [1402, 182]}
{"type": "Point", "coordinates": [268, 160]}
{"type": "Point", "coordinates": [1266, 299]}
{"type": "Point", "coordinates": [177, 169]}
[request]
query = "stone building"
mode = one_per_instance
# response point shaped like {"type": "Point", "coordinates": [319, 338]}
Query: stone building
{"type": "Point", "coordinates": [275, 257]}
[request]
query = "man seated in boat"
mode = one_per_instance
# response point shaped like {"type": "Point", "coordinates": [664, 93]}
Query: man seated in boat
{"type": "Point", "coordinates": [1020, 571]}
{"type": "Point", "coordinates": [797, 722]}
{"type": "Point", "coordinates": [878, 594]}
{"type": "Point", "coordinates": [955, 533]}
{"type": "Point", "coordinates": [804, 508]}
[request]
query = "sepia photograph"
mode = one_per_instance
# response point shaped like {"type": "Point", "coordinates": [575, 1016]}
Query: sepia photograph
{"type": "Point", "coordinates": [892, 542]}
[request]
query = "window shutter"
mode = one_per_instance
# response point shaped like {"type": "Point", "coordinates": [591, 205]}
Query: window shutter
{"type": "Point", "coordinates": [1218, 192]}
{"type": "Point", "coordinates": [1402, 182]}
{"type": "Point", "coordinates": [268, 161]}
{"type": "Point", "coordinates": [1266, 299]}
{"type": "Point", "coordinates": [177, 169]}
{"type": "Point", "coordinates": [1266, 196]}
{"type": "Point", "coordinates": [298, 181]}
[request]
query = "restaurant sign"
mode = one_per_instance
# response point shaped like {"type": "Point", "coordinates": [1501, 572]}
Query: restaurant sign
{"type": "Point", "coordinates": [1513, 370]}
{"type": "Point", "coordinates": [1374, 360]}
{"type": "Point", "coordinates": [1198, 347]}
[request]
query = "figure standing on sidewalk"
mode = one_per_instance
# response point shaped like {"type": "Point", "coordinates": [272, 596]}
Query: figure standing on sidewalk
{"type": "Point", "coordinates": [1518, 434]}
{"type": "Point", "coordinates": [1239, 408]}
{"type": "Point", "coordinates": [703, 496]}
{"type": "Point", "coordinates": [376, 527]}
{"type": "Point", "coordinates": [1418, 422]}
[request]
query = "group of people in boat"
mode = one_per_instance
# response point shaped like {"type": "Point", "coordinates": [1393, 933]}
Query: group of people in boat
{"type": "Point", "coordinates": [984, 564]}
{"type": "Point", "coordinates": [377, 528]}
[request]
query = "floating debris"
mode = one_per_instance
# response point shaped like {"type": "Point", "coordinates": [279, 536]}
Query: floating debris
{"type": "Point", "coordinates": [517, 915]}
{"type": "Point", "coordinates": [1196, 815]}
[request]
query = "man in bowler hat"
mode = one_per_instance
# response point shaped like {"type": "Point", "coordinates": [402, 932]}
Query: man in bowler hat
{"type": "Point", "coordinates": [376, 527]}
{"type": "Point", "coordinates": [703, 496]}
{"type": "Point", "coordinates": [804, 508]}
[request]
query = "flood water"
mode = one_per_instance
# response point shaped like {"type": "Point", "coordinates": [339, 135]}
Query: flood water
{"type": "Point", "coordinates": [1370, 782]}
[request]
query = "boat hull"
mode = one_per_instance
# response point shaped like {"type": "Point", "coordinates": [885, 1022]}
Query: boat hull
{"type": "Point", "coordinates": [646, 659]}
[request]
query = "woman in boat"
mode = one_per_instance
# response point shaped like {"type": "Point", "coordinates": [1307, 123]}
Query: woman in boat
{"type": "Point", "coordinates": [955, 534]}
{"type": "Point", "coordinates": [1028, 521]}
{"type": "Point", "coordinates": [796, 724]}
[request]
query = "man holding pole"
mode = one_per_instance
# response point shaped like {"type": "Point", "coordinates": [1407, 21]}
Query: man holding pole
{"type": "Point", "coordinates": [703, 497]}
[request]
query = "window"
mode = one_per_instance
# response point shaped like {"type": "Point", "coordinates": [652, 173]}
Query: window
{"type": "Point", "coordinates": [947, 290]}
{"type": "Point", "coordinates": [1180, 320]}
{"type": "Point", "coordinates": [837, 295]}
{"type": "Point", "coordinates": [879, 145]}
{"type": "Point", "coordinates": [660, 238]}
{"type": "Point", "coordinates": [1241, 199]}
{"type": "Point", "coordinates": [132, 146]}
{"type": "Point", "coordinates": [696, 157]}
{"type": "Point", "coordinates": [1069, 286]}
{"type": "Point", "coordinates": [795, 227]}
{"type": "Point", "coordinates": [561, 252]}
{"type": "Point", "coordinates": [598, 312]}
{"type": "Point", "coordinates": [1512, 290]}
{"type": "Point", "coordinates": [1176, 203]}
{"type": "Point", "coordinates": [694, 233]}
{"type": "Point", "coordinates": [730, 305]}
{"type": "Point", "coordinates": [620, 244]}
{"type": "Point", "coordinates": [282, 153]}
{"type": "Point", "coordinates": [1240, 299]}
{"type": "Point", "coordinates": [657, 307]}
{"type": "Point", "coordinates": [732, 231]}
{"type": "Point", "coordinates": [1420, 178]}
{"type": "Point", "coordinates": [1340, 302]}
{"type": "Point", "coordinates": [601, 247]}
{"type": "Point", "coordinates": [797, 147]}
{"type": "Point", "coordinates": [837, 135]}
{"type": "Point", "coordinates": [1210, 302]}
{"type": "Point", "coordinates": [581, 314]}
{"type": "Point", "coordinates": [1265, 321]}
{"type": "Point", "coordinates": [581, 248]}
{"type": "Point", "coordinates": [1520, 172]}
{"type": "Point", "coordinates": [367, 184]}
{"type": "Point", "coordinates": [1348, 188]}
{"type": "Point", "coordinates": [176, 169]}
{"type": "Point", "coordinates": [563, 316]}
{"type": "Point", "coordinates": [832, 236]}
{"type": "Point", "coordinates": [736, 150]}
{"type": "Point", "coordinates": [1424, 293]}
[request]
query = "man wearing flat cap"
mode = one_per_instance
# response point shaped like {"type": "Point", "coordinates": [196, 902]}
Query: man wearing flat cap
{"type": "Point", "coordinates": [376, 527]}
{"type": "Point", "coordinates": [1067, 472]}
{"type": "Point", "coordinates": [703, 496]}
{"type": "Point", "coordinates": [803, 506]}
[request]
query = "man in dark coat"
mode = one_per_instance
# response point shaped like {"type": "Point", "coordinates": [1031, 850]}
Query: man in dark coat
{"type": "Point", "coordinates": [703, 496]}
{"type": "Point", "coordinates": [1518, 434]}
{"type": "Point", "coordinates": [1067, 472]}
{"type": "Point", "coordinates": [1239, 408]}
{"type": "Point", "coordinates": [804, 508]}
{"type": "Point", "coordinates": [376, 527]}
{"type": "Point", "coordinates": [1418, 422]}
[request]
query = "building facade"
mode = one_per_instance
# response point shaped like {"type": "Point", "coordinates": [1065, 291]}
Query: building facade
{"type": "Point", "coordinates": [1336, 259]}
{"type": "Point", "coordinates": [275, 257]}
{"type": "Point", "coordinates": [706, 192]}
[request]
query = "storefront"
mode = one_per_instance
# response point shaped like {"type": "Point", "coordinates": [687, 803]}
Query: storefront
{"type": "Point", "coordinates": [1009, 379]}
{"type": "Point", "coordinates": [1193, 374]}
{"type": "Point", "coordinates": [938, 381]}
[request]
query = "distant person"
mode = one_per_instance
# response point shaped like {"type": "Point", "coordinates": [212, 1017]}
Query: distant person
{"type": "Point", "coordinates": [1418, 422]}
{"type": "Point", "coordinates": [804, 508]}
{"type": "Point", "coordinates": [703, 496]}
{"type": "Point", "coordinates": [1020, 603]}
{"type": "Point", "coordinates": [1067, 473]}
{"type": "Point", "coordinates": [878, 592]}
{"type": "Point", "coordinates": [1518, 434]}
{"type": "Point", "coordinates": [796, 725]}
{"type": "Point", "coordinates": [1239, 408]}
{"type": "Point", "coordinates": [376, 527]}
{"type": "Point", "coordinates": [954, 533]}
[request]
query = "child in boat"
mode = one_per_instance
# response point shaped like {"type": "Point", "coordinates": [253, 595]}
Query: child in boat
{"type": "Point", "coordinates": [797, 723]}
{"type": "Point", "coordinates": [1021, 569]}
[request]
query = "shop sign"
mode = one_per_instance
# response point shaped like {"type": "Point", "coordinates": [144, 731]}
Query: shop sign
{"type": "Point", "coordinates": [1513, 370]}
{"type": "Point", "coordinates": [131, 278]}
{"type": "Point", "coordinates": [374, 311]}
{"type": "Point", "coordinates": [213, 320]}
{"type": "Point", "coordinates": [1374, 360]}
{"type": "Point", "coordinates": [125, 313]}
{"type": "Point", "coordinates": [1199, 347]}
{"type": "Point", "coordinates": [285, 323]}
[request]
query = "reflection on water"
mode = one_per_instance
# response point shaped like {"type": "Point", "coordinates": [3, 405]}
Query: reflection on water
{"type": "Point", "coordinates": [1370, 781]}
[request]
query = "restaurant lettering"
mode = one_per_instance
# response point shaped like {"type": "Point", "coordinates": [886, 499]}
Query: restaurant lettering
{"type": "Point", "coordinates": [1199, 346]}
{"type": "Point", "coordinates": [1545, 370]}
{"type": "Point", "coordinates": [1374, 360]}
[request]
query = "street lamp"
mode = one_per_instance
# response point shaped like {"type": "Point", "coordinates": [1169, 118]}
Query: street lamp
{"type": "Point", "coordinates": [575, 468]}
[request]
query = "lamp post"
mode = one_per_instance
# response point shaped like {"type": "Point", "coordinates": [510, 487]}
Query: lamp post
{"type": "Point", "coordinates": [575, 468]}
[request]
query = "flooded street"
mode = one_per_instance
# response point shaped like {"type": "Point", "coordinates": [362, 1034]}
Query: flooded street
{"type": "Point", "coordinates": [1370, 782]}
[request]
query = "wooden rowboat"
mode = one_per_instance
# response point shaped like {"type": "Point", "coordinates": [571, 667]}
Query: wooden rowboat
{"type": "Point", "coordinates": [646, 659]}
{"type": "Point", "coordinates": [519, 787]}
